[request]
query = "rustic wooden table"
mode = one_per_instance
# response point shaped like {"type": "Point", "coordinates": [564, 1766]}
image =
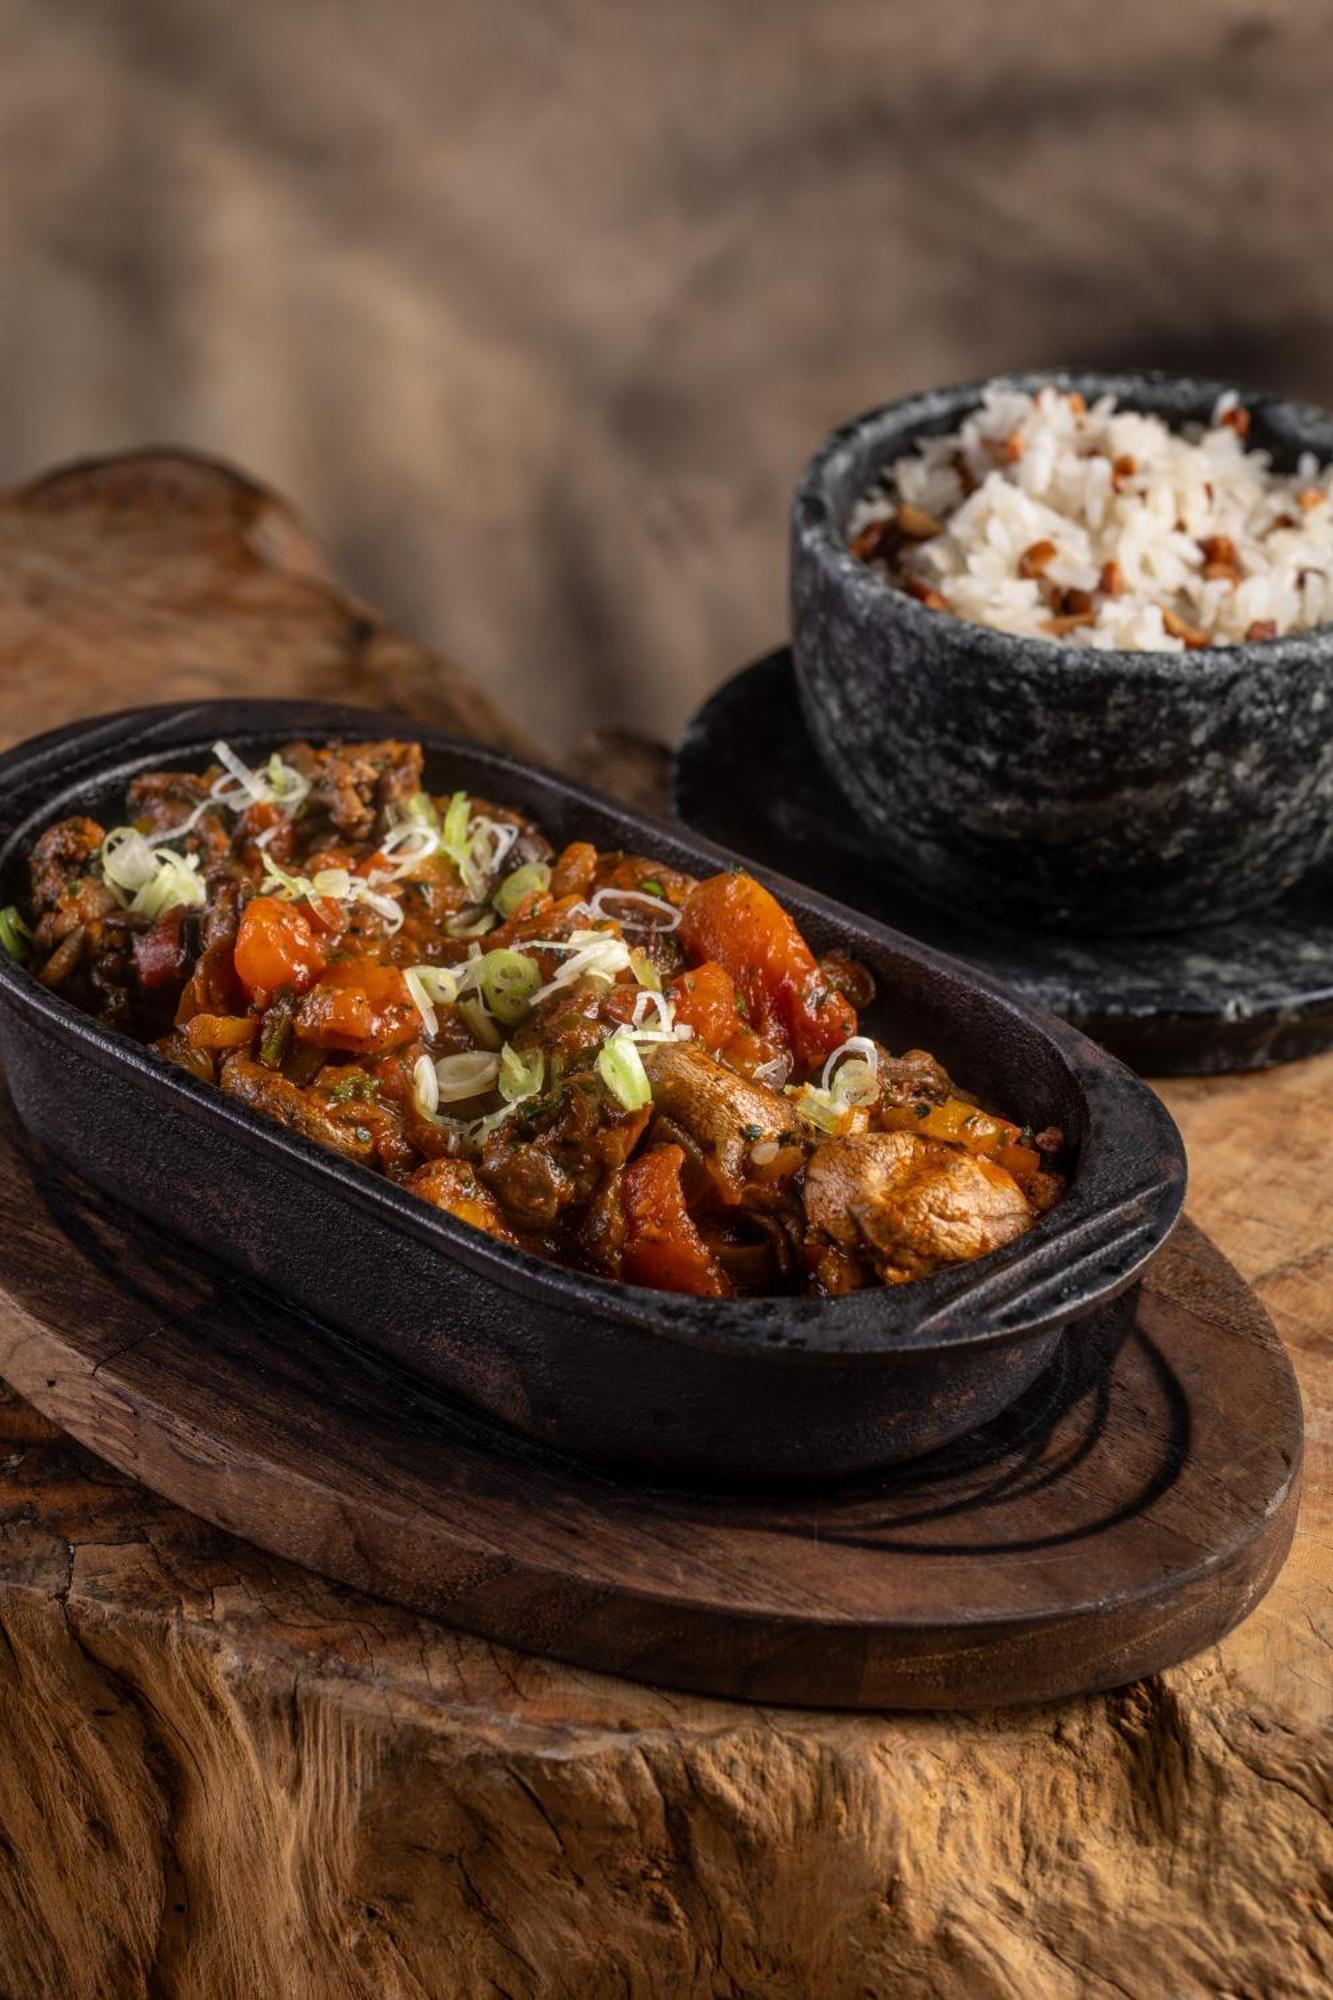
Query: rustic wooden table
{"type": "Point", "coordinates": [222, 1778]}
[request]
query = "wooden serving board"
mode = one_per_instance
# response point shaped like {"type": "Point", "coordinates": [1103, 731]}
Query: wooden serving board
{"type": "Point", "coordinates": [1129, 1511]}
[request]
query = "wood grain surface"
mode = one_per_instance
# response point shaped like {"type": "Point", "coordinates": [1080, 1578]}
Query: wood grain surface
{"type": "Point", "coordinates": [1129, 1510]}
{"type": "Point", "coordinates": [224, 1778]}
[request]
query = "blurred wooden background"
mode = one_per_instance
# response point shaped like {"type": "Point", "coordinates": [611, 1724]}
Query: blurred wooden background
{"type": "Point", "coordinates": [536, 306]}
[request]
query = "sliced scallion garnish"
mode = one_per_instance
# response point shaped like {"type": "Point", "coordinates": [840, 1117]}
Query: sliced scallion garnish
{"type": "Point", "coordinates": [508, 981]}
{"type": "Point", "coordinates": [532, 879]}
{"type": "Point", "coordinates": [621, 1069]}
{"type": "Point", "coordinates": [14, 934]}
{"type": "Point", "coordinates": [521, 1073]}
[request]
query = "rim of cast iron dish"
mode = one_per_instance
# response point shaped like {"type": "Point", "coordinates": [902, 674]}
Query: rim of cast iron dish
{"type": "Point", "coordinates": [1131, 1163]}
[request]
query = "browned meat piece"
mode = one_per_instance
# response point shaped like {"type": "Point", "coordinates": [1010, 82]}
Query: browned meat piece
{"type": "Point", "coordinates": [360, 786]}
{"type": "Point", "coordinates": [558, 1155]}
{"type": "Point", "coordinates": [111, 966]}
{"type": "Point", "coordinates": [726, 1116]}
{"type": "Point", "coordinates": [159, 801]}
{"type": "Point", "coordinates": [454, 1187]}
{"type": "Point", "coordinates": [162, 954]}
{"type": "Point", "coordinates": [302, 1111]}
{"type": "Point", "coordinates": [913, 1078]}
{"type": "Point", "coordinates": [528, 1180]}
{"type": "Point", "coordinates": [213, 987]}
{"type": "Point", "coordinates": [912, 1205]}
{"type": "Point", "coordinates": [65, 853]}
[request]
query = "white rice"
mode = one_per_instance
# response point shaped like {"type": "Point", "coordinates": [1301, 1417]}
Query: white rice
{"type": "Point", "coordinates": [1102, 527]}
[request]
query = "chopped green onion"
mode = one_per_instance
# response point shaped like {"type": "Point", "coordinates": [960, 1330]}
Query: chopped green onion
{"type": "Point", "coordinates": [521, 1074]}
{"type": "Point", "coordinates": [474, 1016]}
{"type": "Point", "coordinates": [127, 859]}
{"type": "Point", "coordinates": [508, 981]}
{"type": "Point", "coordinates": [14, 934]}
{"type": "Point", "coordinates": [425, 1087]}
{"type": "Point", "coordinates": [650, 886]}
{"type": "Point", "coordinates": [817, 1108]}
{"type": "Point", "coordinates": [420, 810]}
{"type": "Point", "coordinates": [534, 879]}
{"type": "Point", "coordinates": [471, 924]}
{"type": "Point", "coordinates": [645, 972]}
{"type": "Point", "coordinates": [431, 986]}
{"type": "Point", "coordinates": [621, 1069]}
{"type": "Point", "coordinates": [469, 1075]}
{"type": "Point", "coordinates": [176, 881]}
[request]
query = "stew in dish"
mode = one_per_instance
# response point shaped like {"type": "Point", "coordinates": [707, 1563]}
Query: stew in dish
{"type": "Point", "coordinates": [589, 1055]}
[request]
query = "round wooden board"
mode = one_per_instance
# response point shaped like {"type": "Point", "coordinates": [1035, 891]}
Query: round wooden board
{"type": "Point", "coordinates": [1129, 1511]}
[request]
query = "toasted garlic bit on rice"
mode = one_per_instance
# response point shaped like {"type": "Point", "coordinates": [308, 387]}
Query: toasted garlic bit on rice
{"type": "Point", "coordinates": [1099, 526]}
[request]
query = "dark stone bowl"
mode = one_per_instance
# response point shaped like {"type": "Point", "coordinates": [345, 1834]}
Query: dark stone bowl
{"type": "Point", "coordinates": [1059, 785]}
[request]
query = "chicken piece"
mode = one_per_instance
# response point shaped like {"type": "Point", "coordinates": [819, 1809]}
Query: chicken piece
{"type": "Point", "coordinates": [727, 1117]}
{"type": "Point", "coordinates": [299, 1110]}
{"type": "Point", "coordinates": [453, 1186]}
{"type": "Point", "coordinates": [912, 1205]}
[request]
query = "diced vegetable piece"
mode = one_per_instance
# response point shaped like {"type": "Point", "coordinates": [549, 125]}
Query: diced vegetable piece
{"type": "Point", "coordinates": [276, 1029]}
{"type": "Point", "coordinates": [220, 1031]}
{"type": "Point", "coordinates": [360, 1007]}
{"type": "Point", "coordinates": [276, 946]}
{"type": "Point", "coordinates": [453, 1186]}
{"type": "Point", "coordinates": [705, 1000]}
{"type": "Point", "coordinates": [734, 920]}
{"type": "Point", "coordinates": [663, 1248]}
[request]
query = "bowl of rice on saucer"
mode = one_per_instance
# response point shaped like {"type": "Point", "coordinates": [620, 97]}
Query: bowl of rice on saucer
{"type": "Point", "coordinates": [1064, 642]}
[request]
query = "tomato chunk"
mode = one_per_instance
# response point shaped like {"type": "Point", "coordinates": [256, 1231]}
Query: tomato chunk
{"type": "Point", "coordinates": [276, 946]}
{"type": "Point", "coordinates": [360, 1007]}
{"type": "Point", "coordinates": [734, 920]}
{"type": "Point", "coordinates": [662, 1246]}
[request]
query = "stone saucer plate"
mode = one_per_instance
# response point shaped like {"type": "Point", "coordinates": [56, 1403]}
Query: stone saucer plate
{"type": "Point", "coordinates": [1245, 994]}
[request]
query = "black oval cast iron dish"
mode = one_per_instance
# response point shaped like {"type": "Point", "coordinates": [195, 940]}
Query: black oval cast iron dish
{"type": "Point", "coordinates": [702, 1389]}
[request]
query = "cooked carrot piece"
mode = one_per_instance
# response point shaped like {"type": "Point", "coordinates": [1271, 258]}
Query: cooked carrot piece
{"type": "Point", "coordinates": [360, 1007]}
{"type": "Point", "coordinates": [734, 920]}
{"type": "Point", "coordinates": [276, 946]}
{"type": "Point", "coordinates": [705, 1000]}
{"type": "Point", "coordinates": [662, 1246]}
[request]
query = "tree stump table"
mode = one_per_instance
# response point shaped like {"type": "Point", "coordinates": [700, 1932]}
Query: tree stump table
{"type": "Point", "coordinates": [222, 1778]}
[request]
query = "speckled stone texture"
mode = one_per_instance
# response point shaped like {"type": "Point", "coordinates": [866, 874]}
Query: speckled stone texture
{"type": "Point", "coordinates": [1053, 784]}
{"type": "Point", "coordinates": [1240, 995]}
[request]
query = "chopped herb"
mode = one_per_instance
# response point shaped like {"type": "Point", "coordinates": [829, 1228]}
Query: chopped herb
{"type": "Point", "coordinates": [754, 1131]}
{"type": "Point", "coordinates": [358, 1084]}
{"type": "Point", "coordinates": [362, 1133]}
{"type": "Point", "coordinates": [921, 1110]}
{"type": "Point", "coordinates": [786, 1138]}
{"type": "Point", "coordinates": [73, 884]}
{"type": "Point", "coordinates": [742, 1006]}
{"type": "Point", "coordinates": [651, 886]}
{"type": "Point", "coordinates": [1027, 1137]}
